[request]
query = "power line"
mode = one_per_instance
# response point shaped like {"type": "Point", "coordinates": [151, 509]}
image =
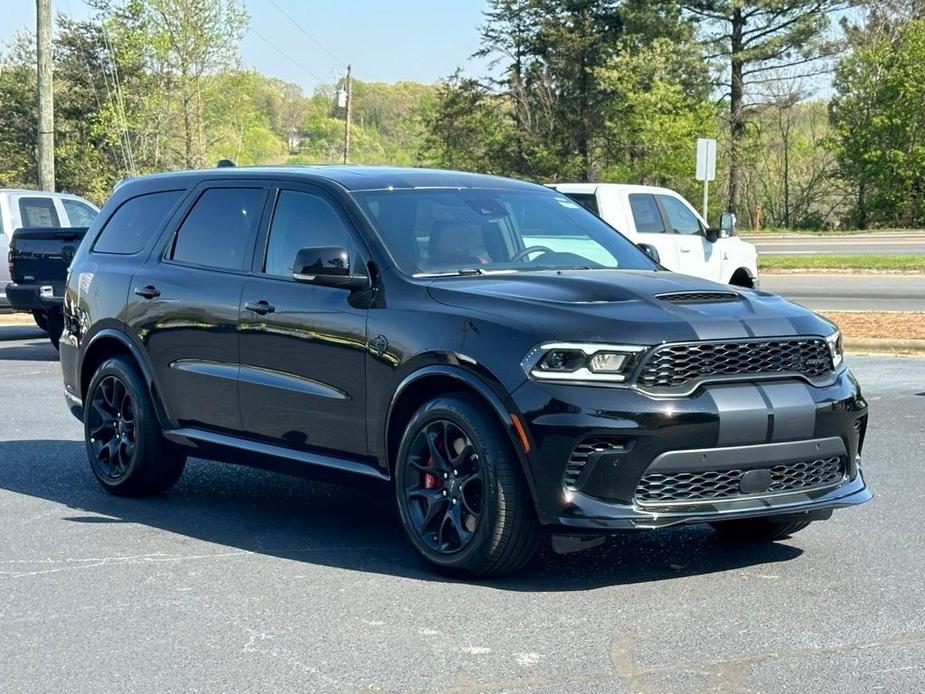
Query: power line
{"type": "Point", "coordinates": [306, 32]}
{"type": "Point", "coordinates": [285, 55]}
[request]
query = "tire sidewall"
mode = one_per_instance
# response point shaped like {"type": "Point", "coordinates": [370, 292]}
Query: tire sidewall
{"type": "Point", "coordinates": [460, 412]}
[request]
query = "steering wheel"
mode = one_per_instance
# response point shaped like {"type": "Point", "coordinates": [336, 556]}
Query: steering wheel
{"type": "Point", "coordinates": [522, 255]}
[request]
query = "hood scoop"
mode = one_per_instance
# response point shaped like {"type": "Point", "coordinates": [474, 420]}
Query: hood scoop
{"type": "Point", "coordinates": [698, 297]}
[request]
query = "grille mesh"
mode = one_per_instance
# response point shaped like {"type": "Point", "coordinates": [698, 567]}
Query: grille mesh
{"type": "Point", "coordinates": [708, 485]}
{"type": "Point", "coordinates": [698, 297]}
{"type": "Point", "coordinates": [578, 459]}
{"type": "Point", "coordinates": [677, 366]}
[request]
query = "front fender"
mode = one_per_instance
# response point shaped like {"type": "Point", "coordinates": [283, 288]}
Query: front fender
{"type": "Point", "coordinates": [488, 388]}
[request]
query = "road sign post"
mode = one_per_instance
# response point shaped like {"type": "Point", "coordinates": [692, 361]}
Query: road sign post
{"type": "Point", "coordinates": [706, 168]}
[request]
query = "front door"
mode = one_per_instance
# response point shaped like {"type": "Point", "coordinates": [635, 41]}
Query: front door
{"type": "Point", "coordinates": [650, 228]}
{"type": "Point", "coordinates": [303, 346]}
{"type": "Point", "coordinates": [695, 252]}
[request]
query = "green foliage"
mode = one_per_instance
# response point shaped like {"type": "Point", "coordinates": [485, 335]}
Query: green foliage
{"type": "Point", "coordinates": [877, 115]}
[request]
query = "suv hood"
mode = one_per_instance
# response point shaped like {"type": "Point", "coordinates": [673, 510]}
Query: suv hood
{"type": "Point", "coordinates": [624, 306]}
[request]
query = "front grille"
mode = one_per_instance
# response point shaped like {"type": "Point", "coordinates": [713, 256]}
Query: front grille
{"type": "Point", "coordinates": [578, 459]}
{"type": "Point", "coordinates": [698, 297]}
{"type": "Point", "coordinates": [709, 485]}
{"type": "Point", "coordinates": [675, 366]}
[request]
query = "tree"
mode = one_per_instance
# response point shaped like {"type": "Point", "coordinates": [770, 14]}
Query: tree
{"type": "Point", "coordinates": [466, 128]}
{"type": "Point", "coordinates": [879, 133]}
{"type": "Point", "coordinates": [189, 41]}
{"type": "Point", "coordinates": [760, 41]}
{"type": "Point", "coordinates": [657, 109]}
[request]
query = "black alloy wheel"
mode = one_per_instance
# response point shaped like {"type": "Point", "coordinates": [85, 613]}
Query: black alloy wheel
{"type": "Point", "coordinates": [444, 499]}
{"type": "Point", "coordinates": [462, 495]}
{"type": "Point", "coordinates": [111, 424]}
{"type": "Point", "coordinates": [126, 448]}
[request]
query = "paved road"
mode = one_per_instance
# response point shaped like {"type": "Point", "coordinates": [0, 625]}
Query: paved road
{"type": "Point", "coordinates": [850, 292]}
{"type": "Point", "coordinates": [877, 243]}
{"type": "Point", "coordinates": [242, 580]}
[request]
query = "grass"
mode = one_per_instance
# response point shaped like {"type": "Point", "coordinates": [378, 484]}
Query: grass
{"type": "Point", "coordinates": [843, 263]}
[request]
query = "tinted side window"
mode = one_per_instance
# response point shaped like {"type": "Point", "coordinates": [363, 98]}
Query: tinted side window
{"type": "Point", "coordinates": [682, 219]}
{"type": "Point", "coordinates": [646, 214]}
{"type": "Point", "coordinates": [299, 221]}
{"type": "Point", "coordinates": [216, 231]}
{"type": "Point", "coordinates": [79, 214]}
{"type": "Point", "coordinates": [134, 223]}
{"type": "Point", "coordinates": [38, 212]}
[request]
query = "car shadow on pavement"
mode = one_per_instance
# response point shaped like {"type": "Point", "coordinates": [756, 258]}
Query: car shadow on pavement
{"type": "Point", "coordinates": [353, 528]}
{"type": "Point", "coordinates": [40, 350]}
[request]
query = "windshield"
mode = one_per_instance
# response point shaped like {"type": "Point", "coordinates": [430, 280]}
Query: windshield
{"type": "Point", "coordinates": [476, 230]}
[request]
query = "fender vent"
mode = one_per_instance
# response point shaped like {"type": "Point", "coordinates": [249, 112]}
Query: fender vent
{"type": "Point", "coordinates": [698, 297]}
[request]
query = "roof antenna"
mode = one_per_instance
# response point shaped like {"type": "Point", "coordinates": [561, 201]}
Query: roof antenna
{"type": "Point", "coordinates": [224, 163]}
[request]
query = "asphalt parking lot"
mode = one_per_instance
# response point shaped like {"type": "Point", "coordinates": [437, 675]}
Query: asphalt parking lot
{"type": "Point", "coordinates": [242, 580]}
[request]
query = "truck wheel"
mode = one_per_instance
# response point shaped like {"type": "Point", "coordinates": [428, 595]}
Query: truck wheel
{"type": "Point", "coordinates": [128, 454]}
{"type": "Point", "coordinates": [54, 324]}
{"type": "Point", "coordinates": [761, 529]}
{"type": "Point", "coordinates": [462, 496]}
{"type": "Point", "coordinates": [41, 320]}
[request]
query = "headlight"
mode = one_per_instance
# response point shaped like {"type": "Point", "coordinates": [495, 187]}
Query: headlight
{"type": "Point", "coordinates": [593, 363]}
{"type": "Point", "coordinates": [836, 348]}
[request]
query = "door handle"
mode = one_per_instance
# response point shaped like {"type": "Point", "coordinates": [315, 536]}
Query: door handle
{"type": "Point", "coordinates": [148, 292]}
{"type": "Point", "coordinates": [261, 307]}
{"type": "Point", "coordinates": [685, 250]}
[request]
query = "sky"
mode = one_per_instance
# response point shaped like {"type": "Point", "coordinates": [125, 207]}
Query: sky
{"type": "Point", "coordinates": [388, 41]}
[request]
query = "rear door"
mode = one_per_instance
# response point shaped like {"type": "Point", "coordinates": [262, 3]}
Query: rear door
{"type": "Point", "coordinates": [303, 346]}
{"type": "Point", "coordinates": [652, 229]}
{"type": "Point", "coordinates": [183, 303]}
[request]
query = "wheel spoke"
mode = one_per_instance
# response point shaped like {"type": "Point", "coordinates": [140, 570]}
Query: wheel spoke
{"type": "Point", "coordinates": [456, 522]}
{"type": "Point", "coordinates": [436, 457]}
{"type": "Point", "coordinates": [461, 457]}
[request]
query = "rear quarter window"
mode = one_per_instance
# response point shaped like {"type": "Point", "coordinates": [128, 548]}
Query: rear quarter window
{"type": "Point", "coordinates": [132, 225]}
{"type": "Point", "coordinates": [586, 200]}
{"type": "Point", "coordinates": [38, 212]}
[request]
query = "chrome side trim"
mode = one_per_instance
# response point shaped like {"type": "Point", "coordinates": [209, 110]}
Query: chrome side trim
{"type": "Point", "coordinates": [286, 381]}
{"type": "Point", "coordinates": [215, 369]}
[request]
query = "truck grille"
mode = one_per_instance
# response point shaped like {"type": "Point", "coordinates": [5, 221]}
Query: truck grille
{"type": "Point", "coordinates": [675, 366]}
{"type": "Point", "coordinates": [708, 485]}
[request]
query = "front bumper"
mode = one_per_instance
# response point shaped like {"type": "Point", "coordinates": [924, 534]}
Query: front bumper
{"type": "Point", "coordinates": [716, 429]}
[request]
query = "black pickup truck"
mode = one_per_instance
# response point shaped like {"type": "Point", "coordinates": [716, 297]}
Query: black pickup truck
{"type": "Point", "coordinates": [39, 259]}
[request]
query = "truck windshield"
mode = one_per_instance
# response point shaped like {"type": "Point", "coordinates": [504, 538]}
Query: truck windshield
{"type": "Point", "coordinates": [475, 230]}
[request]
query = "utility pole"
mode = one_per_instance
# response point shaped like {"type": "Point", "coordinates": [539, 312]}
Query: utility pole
{"type": "Point", "coordinates": [46, 128]}
{"type": "Point", "coordinates": [349, 106]}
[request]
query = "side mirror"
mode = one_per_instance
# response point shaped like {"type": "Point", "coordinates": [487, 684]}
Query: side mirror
{"type": "Point", "coordinates": [727, 224]}
{"type": "Point", "coordinates": [328, 266]}
{"type": "Point", "coordinates": [650, 251]}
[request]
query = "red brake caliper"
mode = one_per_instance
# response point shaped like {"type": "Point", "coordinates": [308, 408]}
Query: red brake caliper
{"type": "Point", "coordinates": [431, 481]}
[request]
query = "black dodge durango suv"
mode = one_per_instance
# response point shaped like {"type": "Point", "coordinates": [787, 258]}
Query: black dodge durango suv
{"type": "Point", "coordinates": [512, 365]}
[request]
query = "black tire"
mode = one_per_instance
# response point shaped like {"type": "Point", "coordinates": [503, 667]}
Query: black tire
{"type": "Point", "coordinates": [506, 532]}
{"type": "Point", "coordinates": [54, 324]}
{"type": "Point", "coordinates": [128, 453]}
{"type": "Point", "coordinates": [41, 320]}
{"type": "Point", "coordinates": [759, 529]}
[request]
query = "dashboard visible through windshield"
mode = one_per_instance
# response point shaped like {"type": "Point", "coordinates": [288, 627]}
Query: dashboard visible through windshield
{"type": "Point", "coordinates": [476, 230]}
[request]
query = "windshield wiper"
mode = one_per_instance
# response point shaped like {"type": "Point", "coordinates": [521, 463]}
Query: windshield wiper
{"type": "Point", "coordinates": [464, 272]}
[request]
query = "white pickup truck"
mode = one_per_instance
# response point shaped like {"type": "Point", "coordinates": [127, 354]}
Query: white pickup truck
{"type": "Point", "coordinates": [36, 208]}
{"type": "Point", "coordinates": [665, 221]}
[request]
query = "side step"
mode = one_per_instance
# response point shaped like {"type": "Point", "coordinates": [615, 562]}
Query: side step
{"type": "Point", "coordinates": [201, 441]}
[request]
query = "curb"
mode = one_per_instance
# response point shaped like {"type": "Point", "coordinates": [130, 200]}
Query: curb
{"type": "Point", "coordinates": [884, 345]}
